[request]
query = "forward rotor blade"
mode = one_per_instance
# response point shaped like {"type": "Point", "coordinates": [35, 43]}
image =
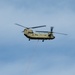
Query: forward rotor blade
{"type": "Point", "coordinates": [30, 27]}
{"type": "Point", "coordinates": [60, 33]}
{"type": "Point", "coordinates": [20, 25]}
{"type": "Point", "coordinates": [38, 26]}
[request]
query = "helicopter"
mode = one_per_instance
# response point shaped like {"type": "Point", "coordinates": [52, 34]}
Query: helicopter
{"type": "Point", "coordinates": [38, 35]}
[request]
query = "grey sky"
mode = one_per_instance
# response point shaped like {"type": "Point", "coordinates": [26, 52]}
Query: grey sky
{"type": "Point", "coordinates": [18, 55]}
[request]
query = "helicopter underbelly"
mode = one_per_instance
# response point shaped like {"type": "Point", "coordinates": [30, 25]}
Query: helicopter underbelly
{"type": "Point", "coordinates": [40, 37]}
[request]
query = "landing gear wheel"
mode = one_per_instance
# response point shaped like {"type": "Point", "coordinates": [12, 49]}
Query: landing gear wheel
{"type": "Point", "coordinates": [29, 39]}
{"type": "Point", "coordinates": [42, 40]}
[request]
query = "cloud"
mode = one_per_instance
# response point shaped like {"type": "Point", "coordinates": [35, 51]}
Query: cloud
{"type": "Point", "coordinates": [62, 22]}
{"type": "Point", "coordinates": [44, 65]}
{"type": "Point", "coordinates": [45, 5]}
{"type": "Point", "coordinates": [11, 36]}
{"type": "Point", "coordinates": [50, 57]}
{"type": "Point", "coordinates": [58, 71]}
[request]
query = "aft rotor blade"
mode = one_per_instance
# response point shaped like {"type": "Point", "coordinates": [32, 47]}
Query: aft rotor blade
{"type": "Point", "coordinates": [43, 31]}
{"type": "Point", "coordinates": [52, 29]}
{"type": "Point", "coordinates": [51, 32]}
{"type": "Point", "coordinates": [60, 33]}
{"type": "Point", "coordinates": [20, 25]}
{"type": "Point", "coordinates": [38, 26]}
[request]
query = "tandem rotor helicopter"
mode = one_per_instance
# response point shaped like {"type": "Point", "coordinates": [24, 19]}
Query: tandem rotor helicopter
{"type": "Point", "coordinates": [38, 35]}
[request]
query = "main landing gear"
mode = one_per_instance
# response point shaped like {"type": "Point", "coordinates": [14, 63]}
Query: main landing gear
{"type": "Point", "coordinates": [29, 39]}
{"type": "Point", "coordinates": [42, 40]}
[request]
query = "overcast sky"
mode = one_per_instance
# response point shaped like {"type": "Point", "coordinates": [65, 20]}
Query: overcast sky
{"type": "Point", "coordinates": [18, 56]}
